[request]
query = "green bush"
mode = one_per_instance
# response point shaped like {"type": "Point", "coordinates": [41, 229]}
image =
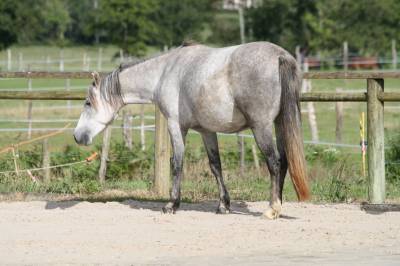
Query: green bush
{"type": "Point", "coordinates": [126, 164]}
{"type": "Point", "coordinates": [327, 156]}
{"type": "Point", "coordinates": [393, 159]}
{"type": "Point", "coordinates": [79, 172]}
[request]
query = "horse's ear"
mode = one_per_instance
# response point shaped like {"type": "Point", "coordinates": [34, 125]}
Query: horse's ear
{"type": "Point", "coordinates": [96, 78]}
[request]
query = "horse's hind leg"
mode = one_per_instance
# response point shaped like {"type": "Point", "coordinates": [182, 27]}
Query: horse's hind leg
{"type": "Point", "coordinates": [178, 145]}
{"type": "Point", "coordinates": [282, 155]}
{"type": "Point", "coordinates": [264, 139]}
{"type": "Point", "coordinates": [211, 144]}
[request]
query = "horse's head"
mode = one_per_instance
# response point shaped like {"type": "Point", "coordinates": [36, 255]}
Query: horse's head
{"type": "Point", "coordinates": [102, 103]}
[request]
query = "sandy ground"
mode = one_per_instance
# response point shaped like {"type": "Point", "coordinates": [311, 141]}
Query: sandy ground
{"type": "Point", "coordinates": [132, 232]}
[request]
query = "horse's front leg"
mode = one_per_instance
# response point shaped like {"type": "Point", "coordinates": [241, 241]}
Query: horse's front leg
{"type": "Point", "coordinates": [178, 136]}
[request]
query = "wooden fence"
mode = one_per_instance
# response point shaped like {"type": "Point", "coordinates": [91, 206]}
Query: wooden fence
{"type": "Point", "coordinates": [374, 97]}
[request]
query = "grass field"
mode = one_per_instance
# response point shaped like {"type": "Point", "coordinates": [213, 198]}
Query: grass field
{"type": "Point", "coordinates": [253, 187]}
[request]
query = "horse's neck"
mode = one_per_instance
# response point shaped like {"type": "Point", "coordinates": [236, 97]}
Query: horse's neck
{"type": "Point", "coordinates": [139, 82]}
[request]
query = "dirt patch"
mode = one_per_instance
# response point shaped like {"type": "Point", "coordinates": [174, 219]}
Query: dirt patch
{"type": "Point", "coordinates": [133, 232]}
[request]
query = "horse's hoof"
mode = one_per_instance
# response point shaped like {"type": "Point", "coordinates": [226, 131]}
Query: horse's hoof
{"type": "Point", "coordinates": [223, 210]}
{"type": "Point", "coordinates": [273, 213]}
{"type": "Point", "coordinates": [169, 208]}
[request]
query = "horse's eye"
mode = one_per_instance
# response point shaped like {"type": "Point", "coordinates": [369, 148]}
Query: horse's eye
{"type": "Point", "coordinates": [87, 103]}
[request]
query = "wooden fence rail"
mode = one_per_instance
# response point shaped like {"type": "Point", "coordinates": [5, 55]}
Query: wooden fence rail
{"type": "Point", "coordinates": [305, 97]}
{"type": "Point", "coordinates": [308, 75]}
{"type": "Point", "coordinates": [374, 96]}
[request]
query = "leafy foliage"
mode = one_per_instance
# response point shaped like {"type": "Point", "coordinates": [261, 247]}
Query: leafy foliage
{"type": "Point", "coordinates": [129, 24]}
{"type": "Point", "coordinates": [8, 14]}
{"type": "Point", "coordinates": [178, 20]}
{"type": "Point", "coordinates": [368, 26]}
{"type": "Point", "coordinates": [393, 159]}
{"type": "Point", "coordinates": [225, 29]}
{"type": "Point", "coordinates": [126, 164]}
{"type": "Point", "coordinates": [282, 22]}
{"type": "Point", "coordinates": [133, 25]}
{"type": "Point", "coordinates": [327, 156]}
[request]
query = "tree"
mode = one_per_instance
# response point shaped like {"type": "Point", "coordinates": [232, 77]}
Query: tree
{"type": "Point", "coordinates": [8, 33]}
{"type": "Point", "coordinates": [129, 23]}
{"type": "Point", "coordinates": [55, 21]}
{"type": "Point", "coordinates": [225, 28]}
{"type": "Point", "coordinates": [282, 22]}
{"type": "Point", "coordinates": [178, 20]}
{"type": "Point", "coordinates": [84, 27]}
{"type": "Point", "coordinates": [322, 26]}
{"type": "Point", "coordinates": [40, 21]}
{"type": "Point", "coordinates": [368, 26]}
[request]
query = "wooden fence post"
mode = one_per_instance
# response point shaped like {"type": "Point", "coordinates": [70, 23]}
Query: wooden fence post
{"type": "Point", "coordinates": [104, 154]}
{"type": "Point", "coordinates": [48, 63]}
{"type": "Point", "coordinates": [84, 61]}
{"type": "Point", "coordinates": [9, 62]}
{"type": "Point", "coordinates": [339, 118]}
{"type": "Point", "coordinates": [241, 25]}
{"type": "Point", "coordinates": [240, 141]}
{"type": "Point", "coordinates": [20, 62]}
{"type": "Point", "coordinates": [127, 128]}
{"type": "Point", "coordinates": [100, 59]}
{"type": "Point", "coordinates": [46, 160]}
{"type": "Point", "coordinates": [121, 56]}
{"type": "Point", "coordinates": [68, 88]}
{"type": "Point", "coordinates": [345, 56]}
{"type": "Point", "coordinates": [142, 133]}
{"type": "Point", "coordinates": [312, 119]}
{"type": "Point", "coordinates": [15, 160]}
{"type": "Point", "coordinates": [298, 56]}
{"type": "Point", "coordinates": [394, 54]}
{"type": "Point", "coordinates": [162, 156]}
{"type": "Point", "coordinates": [375, 151]}
{"type": "Point", "coordinates": [30, 107]}
{"type": "Point", "coordinates": [255, 158]}
{"type": "Point", "coordinates": [61, 60]}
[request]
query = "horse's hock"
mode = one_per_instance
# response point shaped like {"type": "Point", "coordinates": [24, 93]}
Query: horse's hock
{"type": "Point", "coordinates": [374, 96]}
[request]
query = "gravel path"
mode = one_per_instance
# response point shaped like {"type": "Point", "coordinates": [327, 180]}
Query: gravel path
{"type": "Point", "coordinates": [132, 232]}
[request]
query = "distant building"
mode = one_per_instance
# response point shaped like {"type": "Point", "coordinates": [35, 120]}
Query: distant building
{"type": "Point", "coordinates": [235, 4]}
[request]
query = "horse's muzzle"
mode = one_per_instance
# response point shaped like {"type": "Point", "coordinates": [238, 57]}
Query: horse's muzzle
{"type": "Point", "coordinates": [82, 138]}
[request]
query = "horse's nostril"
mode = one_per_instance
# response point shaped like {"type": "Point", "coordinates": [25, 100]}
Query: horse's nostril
{"type": "Point", "coordinates": [76, 140]}
{"type": "Point", "coordinates": [85, 139]}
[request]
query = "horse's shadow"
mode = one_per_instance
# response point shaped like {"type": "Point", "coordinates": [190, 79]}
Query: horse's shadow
{"type": "Point", "coordinates": [237, 207]}
{"type": "Point", "coordinates": [377, 209]}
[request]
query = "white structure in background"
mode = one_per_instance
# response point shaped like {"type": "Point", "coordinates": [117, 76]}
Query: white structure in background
{"type": "Point", "coordinates": [235, 4]}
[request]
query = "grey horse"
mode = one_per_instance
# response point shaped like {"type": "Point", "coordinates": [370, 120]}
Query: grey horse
{"type": "Point", "coordinates": [254, 85]}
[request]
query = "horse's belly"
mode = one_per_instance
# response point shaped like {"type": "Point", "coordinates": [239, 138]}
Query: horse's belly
{"type": "Point", "coordinates": [215, 111]}
{"type": "Point", "coordinates": [230, 121]}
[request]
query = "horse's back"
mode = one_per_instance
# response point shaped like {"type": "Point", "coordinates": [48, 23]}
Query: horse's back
{"type": "Point", "coordinates": [227, 89]}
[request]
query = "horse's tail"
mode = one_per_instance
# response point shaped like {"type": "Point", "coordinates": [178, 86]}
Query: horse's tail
{"type": "Point", "coordinates": [290, 124]}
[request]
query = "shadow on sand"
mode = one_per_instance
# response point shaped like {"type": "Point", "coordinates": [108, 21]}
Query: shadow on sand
{"type": "Point", "coordinates": [379, 208]}
{"type": "Point", "coordinates": [237, 207]}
